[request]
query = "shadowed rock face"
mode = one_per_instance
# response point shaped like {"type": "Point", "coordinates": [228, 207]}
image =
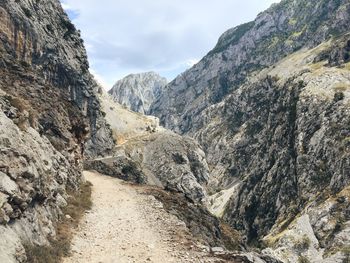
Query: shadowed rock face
{"type": "Point", "coordinates": [48, 110]}
{"type": "Point", "coordinates": [270, 107]}
{"type": "Point", "coordinates": [137, 92]}
{"type": "Point", "coordinates": [38, 37]}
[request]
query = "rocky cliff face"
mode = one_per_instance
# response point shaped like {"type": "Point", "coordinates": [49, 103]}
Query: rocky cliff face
{"type": "Point", "coordinates": [245, 50]}
{"type": "Point", "coordinates": [38, 37]}
{"type": "Point", "coordinates": [149, 154]}
{"type": "Point", "coordinates": [48, 110]}
{"type": "Point", "coordinates": [138, 91]}
{"type": "Point", "coordinates": [34, 178]}
{"type": "Point", "coordinates": [269, 105]}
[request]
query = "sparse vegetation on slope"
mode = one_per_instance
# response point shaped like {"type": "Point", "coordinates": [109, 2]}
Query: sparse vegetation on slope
{"type": "Point", "coordinates": [78, 203]}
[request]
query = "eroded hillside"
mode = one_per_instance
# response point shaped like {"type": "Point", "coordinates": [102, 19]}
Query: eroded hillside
{"type": "Point", "coordinates": [262, 136]}
{"type": "Point", "coordinates": [270, 107]}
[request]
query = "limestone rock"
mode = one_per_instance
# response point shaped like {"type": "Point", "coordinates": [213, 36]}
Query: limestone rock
{"type": "Point", "coordinates": [48, 110]}
{"type": "Point", "coordinates": [120, 167]}
{"type": "Point", "coordinates": [138, 91]}
{"type": "Point", "coordinates": [269, 105]}
{"type": "Point", "coordinates": [163, 159]}
{"type": "Point", "coordinates": [31, 178]}
{"type": "Point", "coordinates": [217, 249]}
{"type": "Point", "coordinates": [42, 47]}
{"type": "Point", "coordinates": [7, 185]}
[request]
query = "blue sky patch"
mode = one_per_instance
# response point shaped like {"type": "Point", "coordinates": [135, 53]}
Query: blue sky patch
{"type": "Point", "coordinates": [166, 36]}
{"type": "Point", "coordinates": [72, 14]}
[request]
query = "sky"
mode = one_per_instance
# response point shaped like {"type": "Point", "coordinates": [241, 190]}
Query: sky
{"type": "Point", "coordinates": [165, 36]}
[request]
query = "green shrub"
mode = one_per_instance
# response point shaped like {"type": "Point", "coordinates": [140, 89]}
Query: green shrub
{"type": "Point", "coordinates": [303, 259]}
{"type": "Point", "coordinates": [303, 243]}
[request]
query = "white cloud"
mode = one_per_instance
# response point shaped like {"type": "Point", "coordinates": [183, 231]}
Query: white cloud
{"type": "Point", "coordinates": [192, 62]}
{"type": "Point", "coordinates": [100, 80]}
{"type": "Point", "coordinates": [66, 6]}
{"type": "Point", "coordinates": [128, 36]}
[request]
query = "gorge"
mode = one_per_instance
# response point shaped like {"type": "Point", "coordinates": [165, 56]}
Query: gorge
{"type": "Point", "coordinates": [244, 157]}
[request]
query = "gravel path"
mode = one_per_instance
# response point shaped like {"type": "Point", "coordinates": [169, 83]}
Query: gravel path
{"type": "Point", "coordinates": [125, 225]}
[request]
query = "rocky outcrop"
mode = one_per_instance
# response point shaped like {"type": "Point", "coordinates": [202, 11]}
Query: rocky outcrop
{"type": "Point", "coordinates": [322, 228]}
{"type": "Point", "coordinates": [172, 162]}
{"type": "Point", "coordinates": [147, 153]}
{"type": "Point", "coordinates": [269, 105]}
{"type": "Point", "coordinates": [120, 167]}
{"type": "Point", "coordinates": [48, 110]}
{"type": "Point", "coordinates": [39, 37]}
{"type": "Point", "coordinates": [34, 177]}
{"type": "Point", "coordinates": [138, 91]}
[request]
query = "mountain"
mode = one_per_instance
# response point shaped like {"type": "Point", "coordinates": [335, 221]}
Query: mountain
{"type": "Point", "coordinates": [245, 50]}
{"type": "Point", "coordinates": [55, 119]}
{"type": "Point", "coordinates": [174, 170]}
{"type": "Point", "coordinates": [161, 157]}
{"type": "Point", "coordinates": [270, 107]}
{"type": "Point", "coordinates": [138, 91]}
{"type": "Point", "coordinates": [260, 134]}
{"type": "Point", "coordinates": [50, 117]}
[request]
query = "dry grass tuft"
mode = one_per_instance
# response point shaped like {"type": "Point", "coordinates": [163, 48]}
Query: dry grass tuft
{"type": "Point", "coordinates": [231, 238]}
{"type": "Point", "coordinates": [18, 103]}
{"type": "Point", "coordinates": [303, 259]}
{"type": "Point", "coordinates": [78, 203]}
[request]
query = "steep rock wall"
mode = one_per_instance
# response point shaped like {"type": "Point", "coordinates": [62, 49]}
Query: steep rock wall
{"type": "Point", "coordinates": [38, 35]}
{"type": "Point", "coordinates": [50, 118]}
{"type": "Point", "coordinates": [269, 105]}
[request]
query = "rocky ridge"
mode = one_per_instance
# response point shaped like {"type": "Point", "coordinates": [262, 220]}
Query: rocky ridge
{"type": "Point", "coordinates": [273, 127]}
{"type": "Point", "coordinates": [269, 105]}
{"type": "Point", "coordinates": [39, 37]}
{"type": "Point", "coordinates": [137, 92]}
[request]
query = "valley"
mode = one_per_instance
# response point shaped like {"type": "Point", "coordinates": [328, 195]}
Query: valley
{"type": "Point", "coordinates": [244, 157]}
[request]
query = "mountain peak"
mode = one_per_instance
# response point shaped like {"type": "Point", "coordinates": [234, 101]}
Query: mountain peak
{"type": "Point", "coordinates": [138, 91]}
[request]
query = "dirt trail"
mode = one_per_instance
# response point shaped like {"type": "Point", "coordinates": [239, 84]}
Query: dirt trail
{"type": "Point", "coordinates": [125, 225]}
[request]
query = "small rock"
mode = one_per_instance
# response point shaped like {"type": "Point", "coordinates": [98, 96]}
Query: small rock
{"type": "Point", "coordinates": [68, 217]}
{"type": "Point", "coordinates": [217, 249]}
{"type": "Point", "coordinates": [61, 202]}
{"type": "Point", "coordinates": [4, 219]}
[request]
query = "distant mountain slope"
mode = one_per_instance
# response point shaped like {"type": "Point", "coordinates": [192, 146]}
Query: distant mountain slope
{"type": "Point", "coordinates": [138, 91]}
{"type": "Point", "coordinates": [270, 106]}
{"type": "Point", "coordinates": [244, 50]}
